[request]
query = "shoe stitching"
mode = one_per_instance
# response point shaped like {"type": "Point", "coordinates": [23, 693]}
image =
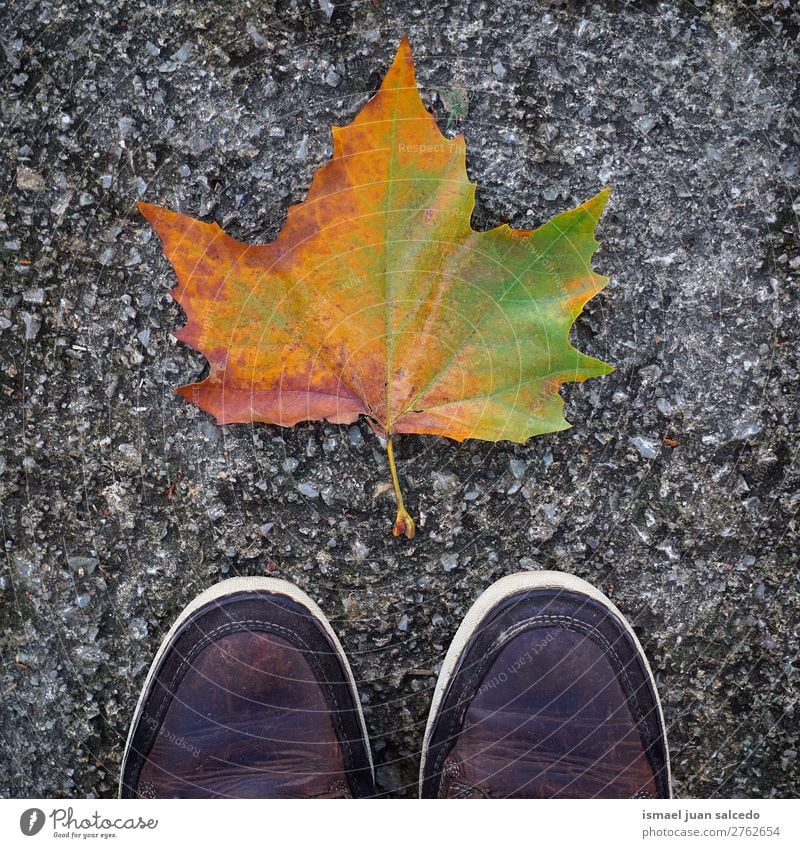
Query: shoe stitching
{"type": "Point", "coordinates": [451, 777]}
{"type": "Point", "coordinates": [146, 790]}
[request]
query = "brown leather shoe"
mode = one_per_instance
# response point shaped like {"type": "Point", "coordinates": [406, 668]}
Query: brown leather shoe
{"type": "Point", "coordinates": [545, 693]}
{"type": "Point", "coordinates": [249, 696]}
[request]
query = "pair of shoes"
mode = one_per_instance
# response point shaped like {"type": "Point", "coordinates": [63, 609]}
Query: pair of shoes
{"type": "Point", "coordinates": [545, 692]}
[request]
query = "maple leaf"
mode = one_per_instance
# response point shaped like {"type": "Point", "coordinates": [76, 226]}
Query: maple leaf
{"type": "Point", "coordinates": [378, 298]}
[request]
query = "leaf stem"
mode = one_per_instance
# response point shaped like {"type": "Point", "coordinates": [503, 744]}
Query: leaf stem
{"type": "Point", "coordinates": [403, 522]}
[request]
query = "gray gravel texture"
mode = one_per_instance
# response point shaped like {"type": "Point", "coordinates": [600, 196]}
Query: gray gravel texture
{"type": "Point", "coordinates": [675, 492]}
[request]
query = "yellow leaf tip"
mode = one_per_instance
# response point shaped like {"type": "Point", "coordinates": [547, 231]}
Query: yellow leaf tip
{"type": "Point", "coordinates": [599, 201]}
{"type": "Point", "coordinates": [401, 74]}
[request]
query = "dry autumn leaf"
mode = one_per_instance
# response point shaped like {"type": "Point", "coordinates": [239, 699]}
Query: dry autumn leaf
{"type": "Point", "coordinates": [378, 298]}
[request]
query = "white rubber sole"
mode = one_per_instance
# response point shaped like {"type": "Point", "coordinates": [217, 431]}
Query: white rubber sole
{"type": "Point", "coordinates": [233, 586]}
{"type": "Point", "coordinates": [513, 584]}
